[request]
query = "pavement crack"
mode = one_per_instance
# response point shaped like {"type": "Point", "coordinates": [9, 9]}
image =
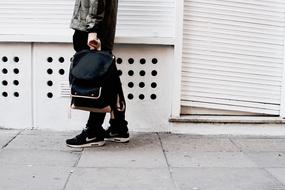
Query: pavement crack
{"type": "Point", "coordinates": [4, 146]}
{"type": "Point", "coordinates": [270, 174]}
{"type": "Point", "coordinates": [71, 172]}
{"type": "Point", "coordinates": [233, 142]}
{"type": "Point", "coordinates": [77, 161]}
{"type": "Point", "coordinates": [67, 180]}
{"type": "Point", "coordinates": [168, 165]}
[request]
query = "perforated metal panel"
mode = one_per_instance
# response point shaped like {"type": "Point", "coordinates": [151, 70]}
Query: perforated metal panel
{"type": "Point", "coordinates": [15, 85]}
{"type": "Point", "coordinates": [233, 55]}
{"type": "Point", "coordinates": [145, 77]}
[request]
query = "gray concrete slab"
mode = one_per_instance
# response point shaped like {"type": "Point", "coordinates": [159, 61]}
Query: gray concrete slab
{"type": "Point", "coordinates": [42, 140]}
{"type": "Point", "coordinates": [267, 159]}
{"type": "Point", "coordinates": [172, 142]}
{"type": "Point", "coordinates": [143, 150]}
{"type": "Point", "coordinates": [38, 157]}
{"type": "Point", "coordinates": [225, 179]}
{"type": "Point", "coordinates": [278, 173]}
{"type": "Point", "coordinates": [208, 159]}
{"type": "Point", "coordinates": [257, 145]}
{"type": "Point", "coordinates": [120, 179]}
{"type": "Point", "coordinates": [50, 132]}
{"type": "Point", "coordinates": [14, 177]}
{"type": "Point", "coordinates": [6, 136]}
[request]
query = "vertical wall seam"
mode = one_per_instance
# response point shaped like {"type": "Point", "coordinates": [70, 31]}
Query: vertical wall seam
{"type": "Point", "coordinates": [32, 86]}
{"type": "Point", "coordinates": [177, 66]}
{"type": "Point", "coordinates": [282, 98]}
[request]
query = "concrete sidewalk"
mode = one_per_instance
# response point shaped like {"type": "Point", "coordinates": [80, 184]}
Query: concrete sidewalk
{"type": "Point", "coordinates": [39, 160]}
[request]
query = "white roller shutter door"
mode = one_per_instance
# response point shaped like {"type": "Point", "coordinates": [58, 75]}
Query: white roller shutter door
{"type": "Point", "coordinates": [233, 55]}
{"type": "Point", "coordinates": [50, 19]}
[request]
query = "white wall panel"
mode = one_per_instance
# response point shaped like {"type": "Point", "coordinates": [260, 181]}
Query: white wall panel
{"type": "Point", "coordinates": [39, 20]}
{"type": "Point", "coordinates": [51, 97]}
{"type": "Point", "coordinates": [147, 85]}
{"type": "Point", "coordinates": [15, 85]}
{"type": "Point", "coordinates": [233, 54]}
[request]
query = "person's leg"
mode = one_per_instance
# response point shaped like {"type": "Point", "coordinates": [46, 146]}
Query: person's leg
{"type": "Point", "coordinates": [94, 124]}
{"type": "Point", "coordinates": [118, 130]}
{"type": "Point", "coordinates": [94, 133]}
{"type": "Point", "coordinates": [119, 110]}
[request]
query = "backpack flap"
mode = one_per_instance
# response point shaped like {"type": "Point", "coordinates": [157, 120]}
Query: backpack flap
{"type": "Point", "coordinates": [92, 66]}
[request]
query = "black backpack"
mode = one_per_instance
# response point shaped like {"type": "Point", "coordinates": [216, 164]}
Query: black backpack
{"type": "Point", "coordinates": [92, 79]}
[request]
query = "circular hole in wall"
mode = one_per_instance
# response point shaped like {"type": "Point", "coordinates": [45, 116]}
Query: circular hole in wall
{"type": "Point", "coordinates": [141, 96]}
{"type": "Point", "coordinates": [49, 71]}
{"type": "Point", "coordinates": [61, 59]}
{"type": "Point", "coordinates": [49, 83]}
{"type": "Point", "coordinates": [131, 61]}
{"type": "Point", "coordinates": [120, 72]}
{"type": "Point", "coordinates": [154, 61]}
{"type": "Point", "coordinates": [153, 96]}
{"type": "Point", "coordinates": [16, 82]}
{"type": "Point", "coordinates": [4, 71]}
{"type": "Point", "coordinates": [154, 73]}
{"type": "Point", "coordinates": [5, 83]}
{"type": "Point", "coordinates": [131, 73]}
{"type": "Point", "coordinates": [153, 85]}
{"type": "Point", "coordinates": [131, 84]}
{"type": "Point", "coordinates": [119, 60]}
{"type": "Point", "coordinates": [49, 59]}
{"type": "Point", "coordinates": [16, 71]}
{"type": "Point", "coordinates": [61, 71]}
{"type": "Point", "coordinates": [5, 94]}
{"type": "Point", "coordinates": [4, 59]}
{"type": "Point", "coordinates": [49, 95]}
{"type": "Point", "coordinates": [130, 96]}
{"type": "Point", "coordinates": [142, 61]}
{"type": "Point", "coordinates": [141, 84]}
{"type": "Point", "coordinates": [142, 73]}
{"type": "Point", "coordinates": [16, 94]}
{"type": "Point", "coordinates": [16, 59]}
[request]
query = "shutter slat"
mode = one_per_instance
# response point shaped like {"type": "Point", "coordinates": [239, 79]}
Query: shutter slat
{"type": "Point", "coordinates": [214, 94]}
{"type": "Point", "coordinates": [211, 76]}
{"type": "Point", "coordinates": [237, 103]}
{"type": "Point", "coordinates": [236, 84]}
{"type": "Point", "coordinates": [229, 107]}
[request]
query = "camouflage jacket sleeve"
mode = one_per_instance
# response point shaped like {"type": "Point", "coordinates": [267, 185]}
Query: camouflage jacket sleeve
{"type": "Point", "coordinates": [96, 15]}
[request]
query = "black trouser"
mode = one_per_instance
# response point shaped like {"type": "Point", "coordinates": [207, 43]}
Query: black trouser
{"type": "Point", "coordinates": [96, 120]}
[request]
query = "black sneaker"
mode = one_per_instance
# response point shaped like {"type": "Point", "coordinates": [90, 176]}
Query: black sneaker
{"type": "Point", "coordinates": [117, 136]}
{"type": "Point", "coordinates": [83, 140]}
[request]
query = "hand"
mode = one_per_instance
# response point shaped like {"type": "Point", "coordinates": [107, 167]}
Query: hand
{"type": "Point", "coordinates": [94, 42]}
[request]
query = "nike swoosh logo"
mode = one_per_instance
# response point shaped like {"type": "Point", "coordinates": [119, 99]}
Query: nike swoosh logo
{"type": "Point", "coordinates": [88, 140]}
{"type": "Point", "coordinates": [113, 134]}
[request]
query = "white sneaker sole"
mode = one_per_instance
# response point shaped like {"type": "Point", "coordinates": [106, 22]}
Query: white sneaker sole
{"type": "Point", "coordinates": [96, 144]}
{"type": "Point", "coordinates": [118, 140]}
